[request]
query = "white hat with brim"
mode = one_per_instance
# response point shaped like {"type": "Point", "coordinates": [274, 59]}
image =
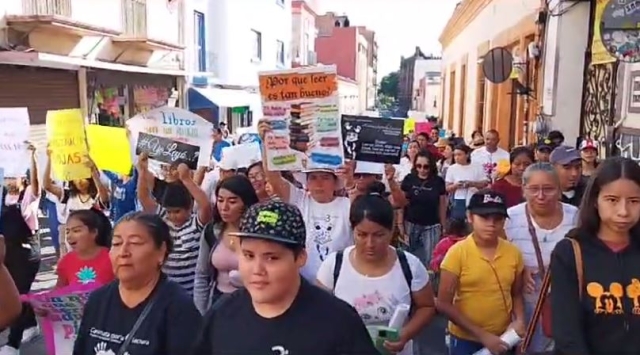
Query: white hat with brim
{"type": "Point", "coordinates": [365, 167]}
{"type": "Point", "coordinates": [339, 185]}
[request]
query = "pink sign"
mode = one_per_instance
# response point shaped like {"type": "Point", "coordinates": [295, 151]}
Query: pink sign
{"type": "Point", "coordinates": [423, 127]}
{"type": "Point", "coordinates": [64, 307]}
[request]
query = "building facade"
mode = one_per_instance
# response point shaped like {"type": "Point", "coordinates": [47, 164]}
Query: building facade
{"type": "Point", "coordinates": [304, 33]}
{"type": "Point", "coordinates": [411, 95]}
{"type": "Point", "coordinates": [428, 95]}
{"type": "Point", "coordinates": [470, 102]}
{"type": "Point", "coordinates": [357, 55]}
{"type": "Point", "coordinates": [112, 59]}
{"type": "Point", "coordinates": [349, 92]}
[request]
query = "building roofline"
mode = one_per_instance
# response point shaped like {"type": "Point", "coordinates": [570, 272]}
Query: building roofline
{"type": "Point", "coordinates": [466, 11]}
{"type": "Point", "coordinates": [304, 4]}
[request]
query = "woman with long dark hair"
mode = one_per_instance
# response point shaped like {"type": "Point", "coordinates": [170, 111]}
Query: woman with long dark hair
{"type": "Point", "coordinates": [217, 267]}
{"type": "Point", "coordinates": [595, 275]}
{"type": "Point", "coordinates": [510, 186]}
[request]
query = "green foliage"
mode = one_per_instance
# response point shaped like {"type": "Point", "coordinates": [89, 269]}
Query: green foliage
{"type": "Point", "coordinates": [389, 85]}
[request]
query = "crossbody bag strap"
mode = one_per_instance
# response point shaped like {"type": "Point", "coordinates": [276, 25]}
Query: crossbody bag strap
{"type": "Point", "coordinates": [145, 312]}
{"type": "Point", "coordinates": [577, 252]}
{"type": "Point", "coordinates": [504, 298]}
{"type": "Point", "coordinates": [534, 240]}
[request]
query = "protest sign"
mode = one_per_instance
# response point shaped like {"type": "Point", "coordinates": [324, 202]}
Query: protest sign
{"type": "Point", "coordinates": [302, 106]}
{"type": "Point", "coordinates": [176, 124]}
{"type": "Point", "coordinates": [372, 139]}
{"type": "Point", "coordinates": [242, 155]}
{"type": "Point", "coordinates": [67, 141]}
{"type": "Point", "coordinates": [109, 148]}
{"type": "Point", "coordinates": [168, 151]}
{"type": "Point", "coordinates": [64, 307]}
{"type": "Point", "coordinates": [14, 132]}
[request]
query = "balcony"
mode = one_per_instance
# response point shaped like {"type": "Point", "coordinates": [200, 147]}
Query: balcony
{"type": "Point", "coordinates": [145, 25]}
{"type": "Point", "coordinates": [56, 17]}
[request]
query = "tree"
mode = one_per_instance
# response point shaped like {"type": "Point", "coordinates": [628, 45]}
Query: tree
{"type": "Point", "coordinates": [389, 85]}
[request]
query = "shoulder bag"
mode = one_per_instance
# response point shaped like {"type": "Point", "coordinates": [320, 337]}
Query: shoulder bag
{"type": "Point", "coordinates": [542, 311]}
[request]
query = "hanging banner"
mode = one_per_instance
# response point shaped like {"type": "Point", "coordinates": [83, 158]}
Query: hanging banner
{"type": "Point", "coordinates": [67, 141]}
{"type": "Point", "coordinates": [14, 133]}
{"type": "Point", "coordinates": [64, 308]}
{"type": "Point", "coordinates": [109, 148]}
{"type": "Point", "coordinates": [302, 106]}
{"type": "Point", "coordinates": [599, 53]}
{"type": "Point", "coordinates": [175, 124]}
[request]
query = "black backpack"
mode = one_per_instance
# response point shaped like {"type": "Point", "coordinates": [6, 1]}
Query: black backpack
{"type": "Point", "coordinates": [402, 259]}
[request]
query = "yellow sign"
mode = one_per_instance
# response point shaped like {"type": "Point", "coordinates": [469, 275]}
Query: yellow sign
{"type": "Point", "coordinates": [67, 141]}
{"type": "Point", "coordinates": [109, 148]}
{"type": "Point", "coordinates": [599, 53]}
{"type": "Point", "coordinates": [409, 125]}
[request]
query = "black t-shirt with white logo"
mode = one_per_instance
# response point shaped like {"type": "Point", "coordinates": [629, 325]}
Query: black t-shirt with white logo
{"type": "Point", "coordinates": [170, 328]}
{"type": "Point", "coordinates": [424, 199]}
{"type": "Point", "coordinates": [317, 323]}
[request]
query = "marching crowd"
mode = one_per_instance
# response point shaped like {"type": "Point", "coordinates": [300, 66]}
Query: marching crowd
{"type": "Point", "coordinates": [245, 260]}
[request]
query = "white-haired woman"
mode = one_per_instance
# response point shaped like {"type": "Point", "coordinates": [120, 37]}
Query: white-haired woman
{"type": "Point", "coordinates": [535, 227]}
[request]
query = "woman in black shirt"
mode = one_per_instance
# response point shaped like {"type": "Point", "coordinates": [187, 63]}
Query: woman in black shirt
{"type": "Point", "coordinates": [169, 320]}
{"type": "Point", "coordinates": [425, 206]}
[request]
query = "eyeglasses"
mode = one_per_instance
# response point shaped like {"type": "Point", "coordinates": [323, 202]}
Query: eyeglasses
{"type": "Point", "coordinates": [421, 166]}
{"type": "Point", "coordinates": [536, 190]}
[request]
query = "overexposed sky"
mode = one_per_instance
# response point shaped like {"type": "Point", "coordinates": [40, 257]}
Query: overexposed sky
{"type": "Point", "coordinates": [400, 25]}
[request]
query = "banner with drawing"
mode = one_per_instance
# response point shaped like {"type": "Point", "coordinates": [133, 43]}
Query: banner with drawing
{"type": "Point", "coordinates": [175, 124]}
{"type": "Point", "coordinates": [302, 106]}
{"type": "Point", "coordinates": [64, 307]}
{"type": "Point", "coordinates": [14, 132]}
{"type": "Point", "coordinates": [68, 144]}
{"type": "Point", "coordinates": [372, 139]}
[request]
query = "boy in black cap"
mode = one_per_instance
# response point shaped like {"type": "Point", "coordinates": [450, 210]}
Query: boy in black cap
{"type": "Point", "coordinates": [278, 312]}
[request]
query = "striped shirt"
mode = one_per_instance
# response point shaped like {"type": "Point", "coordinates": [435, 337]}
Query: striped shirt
{"type": "Point", "coordinates": [180, 265]}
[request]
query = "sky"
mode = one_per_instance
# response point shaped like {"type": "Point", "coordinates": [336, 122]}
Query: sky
{"type": "Point", "coordinates": [400, 25]}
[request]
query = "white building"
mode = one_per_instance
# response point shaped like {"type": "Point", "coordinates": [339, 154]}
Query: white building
{"type": "Point", "coordinates": [349, 92]}
{"type": "Point", "coordinates": [242, 38]}
{"type": "Point", "coordinates": [110, 58]}
{"type": "Point", "coordinates": [304, 33]}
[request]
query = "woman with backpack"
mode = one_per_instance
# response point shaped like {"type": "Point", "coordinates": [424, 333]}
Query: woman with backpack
{"type": "Point", "coordinates": [376, 278]}
{"type": "Point", "coordinates": [217, 267]}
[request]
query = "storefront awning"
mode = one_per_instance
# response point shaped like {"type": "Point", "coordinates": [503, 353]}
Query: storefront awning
{"type": "Point", "coordinates": [223, 97]}
{"type": "Point", "coordinates": [71, 63]}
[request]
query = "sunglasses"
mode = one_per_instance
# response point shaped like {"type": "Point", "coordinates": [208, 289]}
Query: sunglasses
{"type": "Point", "coordinates": [421, 166]}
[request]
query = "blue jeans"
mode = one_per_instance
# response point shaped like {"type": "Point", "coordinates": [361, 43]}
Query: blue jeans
{"type": "Point", "coordinates": [458, 346]}
{"type": "Point", "coordinates": [422, 240]}
{"type": "Point", "coordinates": [53, 223]}
{"type": "Point", "coordinates": [459, 209]}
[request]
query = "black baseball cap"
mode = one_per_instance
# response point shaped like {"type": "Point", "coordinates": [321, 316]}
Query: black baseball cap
{"type": "Point", "coordinates": [487, 203]}
{"type": "Point", "coordinates": [545, 144]}
{"type": "Point", "coordinates": [274, 221]}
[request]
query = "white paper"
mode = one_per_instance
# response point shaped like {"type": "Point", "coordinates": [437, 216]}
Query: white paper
{"type": "Point", "coordinates": [399, 317]}
{"type": "Point", "coordinates": [14, 132]}
{"type": "Point", "coordinates": [510, 337]}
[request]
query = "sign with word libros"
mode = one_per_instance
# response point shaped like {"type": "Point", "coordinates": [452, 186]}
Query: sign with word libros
{"type": "Point", "coordinates": [168, 151]}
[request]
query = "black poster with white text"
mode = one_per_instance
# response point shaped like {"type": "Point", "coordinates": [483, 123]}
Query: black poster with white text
{"type": "Point", "coordinates": [168, 151]}
{"type": "Point", "coordinates": [372, 139]}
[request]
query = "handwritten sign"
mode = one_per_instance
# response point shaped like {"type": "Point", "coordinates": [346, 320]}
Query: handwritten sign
{"type": "Point", "coordinates": [67, 141]}
{"type": "Point", "coordinates": [297, 86]}
{"type": "Point", "coordinates": [14, 131]}
{"type": "Point", "coordinates": [64, 308]}
{"type": "Point", "coordinates": [628, 143]}
{"type": "Point", "coordinates": [168, 151]}
{"type": "Point", "coordinates": [372, 139]}
{"type": "Point", "coordinates": [176, 124]}
{"type": "Point", "coordinates": [302, 107]}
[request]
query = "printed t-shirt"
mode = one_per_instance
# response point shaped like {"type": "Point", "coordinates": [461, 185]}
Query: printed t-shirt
{"type": "Point", "coordinates": [180, 265]}
{"type": "Point", "coordinates": [79, 271]}
{"type": "Point", "coordinates": [489, 161]}
{"type": "Point", "coordinates": [123, 198]}
{"type": "Point", "coordinates": [471, 173]}
{"type": "Point", "coordinates": [375, 298]}
{"type": "Point", "coordinates": [328, 227]}
{"type": "Point", "coordinates": [424, 199]}
{"type": "Point", "coordinates": [171, 327]}
{"type": "Point", "coordinates": [479, 296]}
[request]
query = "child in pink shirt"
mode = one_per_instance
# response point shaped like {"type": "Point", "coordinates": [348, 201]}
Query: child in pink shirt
{"type": "Point", "coordinates": [455, 231]}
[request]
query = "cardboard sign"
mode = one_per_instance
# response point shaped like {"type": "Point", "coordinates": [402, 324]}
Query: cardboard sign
{"type": "Point", "coordinates": [372, 139]}
{"type": "Point", "coordinates": [168, 151]}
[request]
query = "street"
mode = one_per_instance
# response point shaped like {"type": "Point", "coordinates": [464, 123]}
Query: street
{"type": "Point", "coordinates": [431, 340]}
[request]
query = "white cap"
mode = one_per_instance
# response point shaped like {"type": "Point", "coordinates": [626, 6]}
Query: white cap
{"type": "Point", "coordinates": [365, 167]}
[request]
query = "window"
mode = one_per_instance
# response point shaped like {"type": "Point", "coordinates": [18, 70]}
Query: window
{"type": "Point", "coordinates": [480, 99]}
{"type": "Point", "coordinates": [257, 44]}
{"type": "Point", "coordinates": [280, 52]}
{"type": "Point", "coordinates": [200, 41]}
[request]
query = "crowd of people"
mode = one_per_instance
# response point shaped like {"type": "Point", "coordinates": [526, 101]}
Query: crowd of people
{"type": "Point", "coordinates": [246, 260]}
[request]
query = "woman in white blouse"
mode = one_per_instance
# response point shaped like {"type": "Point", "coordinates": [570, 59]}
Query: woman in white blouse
{"type": "Point", "coordinates": [535, 226]}
{"type": "Point", "coordinates": [374, 277]}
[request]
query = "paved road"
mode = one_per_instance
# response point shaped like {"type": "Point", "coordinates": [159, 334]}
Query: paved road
{"type": "Point", "coordinates": [431, 340]}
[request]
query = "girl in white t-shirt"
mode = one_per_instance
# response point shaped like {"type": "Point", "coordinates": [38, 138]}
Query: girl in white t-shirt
{"type": "Point", "coordinates": [463, 179]}
{"type": "Point", "coordinates": [375, 278]}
